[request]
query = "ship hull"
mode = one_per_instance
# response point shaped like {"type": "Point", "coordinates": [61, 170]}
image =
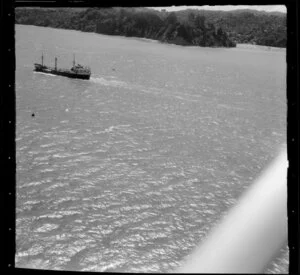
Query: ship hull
{"type": "Point", "coordinates": [66, 73]}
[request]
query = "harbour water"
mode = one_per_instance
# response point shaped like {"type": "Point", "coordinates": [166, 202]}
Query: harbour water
{"type": "Point", "coordinates": [129, 171]}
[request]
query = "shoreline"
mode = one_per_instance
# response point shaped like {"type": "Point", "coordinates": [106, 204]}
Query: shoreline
{"type": "Point", "coordinates": [263, 47]}
{"type": "Point", "coordinates": [144, 39]}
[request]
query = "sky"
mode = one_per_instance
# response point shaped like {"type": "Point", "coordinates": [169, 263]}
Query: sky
{"type": "Point", "coordinates": [267, 8]}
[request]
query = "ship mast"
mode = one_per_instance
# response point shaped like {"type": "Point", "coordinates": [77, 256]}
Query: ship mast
{"type": "Point", "coordinates": [73, 60]}
{"type": "Point", "coordinates": [55, 63]}
{"type": "Point", "coordinates": [42, 59]}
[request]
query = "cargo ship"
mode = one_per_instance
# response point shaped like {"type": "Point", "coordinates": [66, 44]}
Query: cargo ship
{"type": "Point", "coordinates": [77, 70]}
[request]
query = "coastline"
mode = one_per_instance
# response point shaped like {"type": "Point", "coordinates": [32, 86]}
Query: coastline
{"type": "Point", "coordinates": [261, 47]}
{"type": "Point", "coordinates": [149, 40]}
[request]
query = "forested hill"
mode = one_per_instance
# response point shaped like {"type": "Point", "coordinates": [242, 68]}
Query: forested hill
{"type": "Point", "coordinates": [186, 27]}
{"type": "Point", "coordinates": [246, 26]}
{"type": "Point", "coordinates": [136, 22]}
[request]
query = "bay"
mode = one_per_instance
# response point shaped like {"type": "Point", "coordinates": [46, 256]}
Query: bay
{"type": "Point", "coordinates": [130, 170]}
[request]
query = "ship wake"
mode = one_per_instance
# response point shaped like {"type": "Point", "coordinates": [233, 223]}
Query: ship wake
{"type": "Point", "coordinates": [110, 82]}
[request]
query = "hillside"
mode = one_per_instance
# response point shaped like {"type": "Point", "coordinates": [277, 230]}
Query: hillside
{"type": "Point", "coordinates": [136, 22]}
{"type": "Point", "coordinates": [246, 26]}
{"type": "Point", "coordinates": [186, 27]}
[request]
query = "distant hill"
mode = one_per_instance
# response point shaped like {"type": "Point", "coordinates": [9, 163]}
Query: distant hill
{"type": "Point", "coordinates": [137, 22]}
{"type": "Point", "coordinates": [185, 27]}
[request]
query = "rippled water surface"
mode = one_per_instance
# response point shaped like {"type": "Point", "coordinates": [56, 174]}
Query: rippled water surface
{"type": "Point", "coordinates": [130, 170]}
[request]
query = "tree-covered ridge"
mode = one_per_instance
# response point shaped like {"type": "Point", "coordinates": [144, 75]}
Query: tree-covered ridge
{"type": "Point", "coordinates": [186, 27]}
{"type": "Point", "coordinates": [247, 26]}
{"type": "Point", "coordinates": [136, 22]}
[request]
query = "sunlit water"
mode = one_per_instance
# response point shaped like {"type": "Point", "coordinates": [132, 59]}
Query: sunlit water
{"type": "Point", "coordinates": [130, 170]}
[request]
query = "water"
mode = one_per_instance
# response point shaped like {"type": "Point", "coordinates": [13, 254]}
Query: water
{"type": "Point", "coordinates": [130, 170]}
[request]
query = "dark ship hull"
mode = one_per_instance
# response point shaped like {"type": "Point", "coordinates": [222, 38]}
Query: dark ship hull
{"type": "Point", "coordinates": [62, 72]}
